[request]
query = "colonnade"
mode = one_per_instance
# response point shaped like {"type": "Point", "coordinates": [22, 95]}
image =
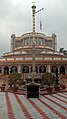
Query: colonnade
{"type": "Point", "coordinates": [28, 69]}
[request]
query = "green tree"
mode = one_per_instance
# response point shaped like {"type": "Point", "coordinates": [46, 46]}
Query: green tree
{"type": "Point", "coordinates": [48, 79]}
{"type": "Point", "coordinates": [14, 78]}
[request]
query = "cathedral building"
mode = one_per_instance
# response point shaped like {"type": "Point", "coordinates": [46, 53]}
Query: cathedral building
{"type": "Point", "coordinates": [23, 52]}
{"type": "Point", "coordinates": [47, 58]}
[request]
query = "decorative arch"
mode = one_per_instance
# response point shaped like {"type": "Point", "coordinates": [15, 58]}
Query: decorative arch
{"type": "Point", "coordinates": [25, 69]}
{"type": "Point", "coordinates": [36, 69]}
{"type": "Point", "coordinates": [13, 69]}
{"type": "Point", "coordinates": [6, 70]}
{"type": "Point", "coordinates": [0, 70]}
{"type": "Point", "coordinates": [62, 70]}
{"type": "Point", "coordinates": [53, 69]}
{"type": "Point", "coordinates": [42, 69]}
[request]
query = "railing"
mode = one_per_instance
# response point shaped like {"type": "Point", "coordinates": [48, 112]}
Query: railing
{"type": "Point", "coordinates": [37, 58]}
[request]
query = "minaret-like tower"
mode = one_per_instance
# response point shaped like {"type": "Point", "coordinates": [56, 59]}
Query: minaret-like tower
{"type": "Point", "coordinates": [33, 41]}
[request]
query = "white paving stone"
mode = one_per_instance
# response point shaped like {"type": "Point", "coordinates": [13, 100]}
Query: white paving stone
{"type": "Point", "coordinates": [58, 96]}
{"type": "Point", "coordinates": [3, 106]}
{"type": "Point", "coordinates": [33, 112]}
{"type": "Point", "coordinates": [63, 94]}
{"type": "Point", "coordinates": [45, 109]}
{"type": "Point", "coordinates": [18, 113]}
{"type": "Point", "coordinates": [52, 104]}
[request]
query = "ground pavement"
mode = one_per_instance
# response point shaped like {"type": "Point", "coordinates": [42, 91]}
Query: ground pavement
{"type": "Point", "coordinates": [16, 106]}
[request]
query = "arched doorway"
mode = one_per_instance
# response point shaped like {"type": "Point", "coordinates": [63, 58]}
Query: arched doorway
{"type": "Point", "coordinates": [42, 69]}
{"type": "Point", "coordinates": [13, 69]}
{"type": "Point", "coordinates": [62, 70]}
{"type": "Point", "coordinates": [6, 70]}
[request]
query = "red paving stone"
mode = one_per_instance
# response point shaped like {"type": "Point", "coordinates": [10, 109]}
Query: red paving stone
{"type": "Point", "coordinates": [57, 103]}
{"type": "Point", "coordinates": [58, 98]}
{"type": "Point", "coordinates": [56, 112]}
{"type": "Point", "coordinates": [27, 115]}
{"type": "Point", "coordinates": [39, 110]}
{"type": "Point", "coordinates": [9, 107]}
{"type": "Point", "coordinates": [62, 96]}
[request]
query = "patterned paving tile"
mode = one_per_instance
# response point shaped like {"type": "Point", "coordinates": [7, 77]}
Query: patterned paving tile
{"type": "Point", "coordinates": [15, 106]}
{"type": "Point", "coordinates": [3, 106]}
{"type": "Point", "coordinates": [9, 107]}
{"type": "Point", "coordinates": [60, 98]}
{"type": "Point", "coordinates": [63, 111]}
{"type": "Point", "coordinates": [30, 108]}
{"type": "Point", "coordinates": [63, 95]}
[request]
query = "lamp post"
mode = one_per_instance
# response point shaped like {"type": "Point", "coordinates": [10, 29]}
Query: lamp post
{"type": "Point", "coordinates": [34, 40]}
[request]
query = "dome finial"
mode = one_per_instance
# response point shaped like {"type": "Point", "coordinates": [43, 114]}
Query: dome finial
{"type": "Point", "coordinates": [33, 2]}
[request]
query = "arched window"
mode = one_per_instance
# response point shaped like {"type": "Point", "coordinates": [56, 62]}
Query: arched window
{"type": "Point", "coordinates": [25, 69]}
{"type": "Point", "coordinates": [36, 69]}
{"type": "Point", "coordinates": [62, 70]}
{"type": "Point", "coordinates": [6, 70]}
{"type": "Point", "coordinates": [0, 70]}
{"type": "Point", "coordinates": [53, 69]}
{"type": "Point", "coordinates": [40, 43]}
{"type": "Point", "coordinates": [13, 69]}
{"type": "Point", "coordinates": [42, 69]}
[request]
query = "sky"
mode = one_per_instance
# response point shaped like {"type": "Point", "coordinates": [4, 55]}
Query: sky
{"type": "Point", "coordinates": [16, 17]}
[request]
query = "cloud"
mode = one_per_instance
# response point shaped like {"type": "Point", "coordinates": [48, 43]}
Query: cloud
{"type": "Point", "coordinates": [16, 16]}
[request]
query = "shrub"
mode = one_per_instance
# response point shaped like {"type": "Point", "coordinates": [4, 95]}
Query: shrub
{"type": "Point", "coordinates": [48, 79]}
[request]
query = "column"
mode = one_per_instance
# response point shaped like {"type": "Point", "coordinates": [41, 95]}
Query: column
{"type": "Point", "coordinates": [29, 69]}
{"type": "Point", "coordinates": [48, 68]}
{"type": "Point", "coordinates": [38, 69]}
{"type": "Point", "coordinates": [9, 69]}
{"type": "Point", "coordinates": [19, 68]}
{"type": "Point", "coordinates": [2, 69]}
{"type": "Point", "coordinates": [58, 70]}
{"type": "Point", "coordinates": [66, 69]}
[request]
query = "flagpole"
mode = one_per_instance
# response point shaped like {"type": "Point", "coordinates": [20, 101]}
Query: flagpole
{"type": "Point", "coordinates": [40, 25]}
{"type": "Point", "coordinates": [33, 41]}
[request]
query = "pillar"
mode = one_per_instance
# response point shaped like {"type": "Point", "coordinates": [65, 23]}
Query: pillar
{"type": "Point", "coordinates": [2, 69]}
{"type": "Point", "coordinates": [48, 68]}
{"type": "Point", "coordinates": [19, 68]}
